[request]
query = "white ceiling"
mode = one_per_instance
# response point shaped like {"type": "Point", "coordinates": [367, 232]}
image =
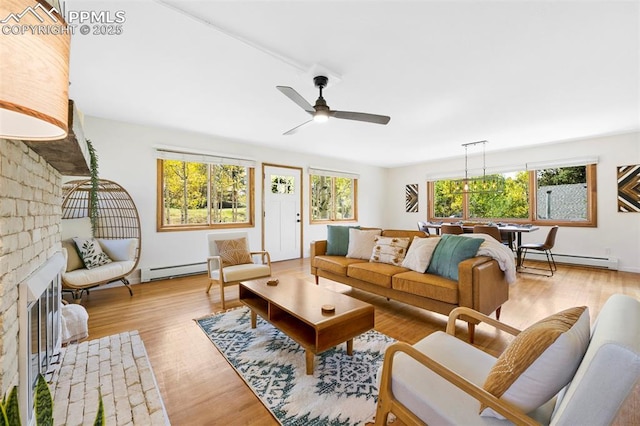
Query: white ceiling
{"type": "Point", "coordinates": [514, 73]}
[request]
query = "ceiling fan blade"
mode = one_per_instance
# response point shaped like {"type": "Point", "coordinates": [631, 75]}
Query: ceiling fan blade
{"type": "Point", "coordinates": [295, 97]}
{"type": "Point", "coordinates": [295, 129]}
{"type": "Point", "coordinates": [361, 116]}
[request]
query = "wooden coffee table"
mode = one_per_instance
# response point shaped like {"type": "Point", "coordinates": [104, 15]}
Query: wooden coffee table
{"type": "Point", "coordinates": [295, 307]}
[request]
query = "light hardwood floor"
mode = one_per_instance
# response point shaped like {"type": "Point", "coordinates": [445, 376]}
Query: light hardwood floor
{"type": "Point", "coordinates": [200, 388]}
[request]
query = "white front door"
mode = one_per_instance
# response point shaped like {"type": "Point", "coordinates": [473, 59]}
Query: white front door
{"type": "Point", "coordinates": [282, 219]}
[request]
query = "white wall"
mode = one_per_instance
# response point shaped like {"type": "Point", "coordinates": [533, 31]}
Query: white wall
{"type": "Point", "coordinates": [126, 156]}
{"type": "Point", "coordinates": [619, 232]}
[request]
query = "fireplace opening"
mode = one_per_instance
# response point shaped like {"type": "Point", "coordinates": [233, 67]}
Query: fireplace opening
{"type": "Point", "coordinates": [40, 340]}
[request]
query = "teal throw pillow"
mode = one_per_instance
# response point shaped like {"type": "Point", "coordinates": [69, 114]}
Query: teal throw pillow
{"type": "Point", "coordinates": [338, 240]}
{"type": "Point", "coordinates": [450, 251]}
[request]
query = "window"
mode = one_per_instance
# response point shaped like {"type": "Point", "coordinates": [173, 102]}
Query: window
{"type": "Point", "coordinates": [333, 198]}
{"type": "Point", "coordinates": [560, 195]}
{"type": "Point", "coordinates": [195, 195]}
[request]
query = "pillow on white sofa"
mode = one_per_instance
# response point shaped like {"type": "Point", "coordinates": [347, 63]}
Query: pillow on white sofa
{"type": "Point", "coordinates": [120, 249]}
{"type": "Point", "coordinates": [361, 242]}
{"type": "Point", "coordinates": [540, 361]}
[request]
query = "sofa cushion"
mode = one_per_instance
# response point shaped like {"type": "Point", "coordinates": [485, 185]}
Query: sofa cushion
{"type": "Point", "coordinates": [73, 258]}
{"type": "Point", "coordinates": [426, 285]}
{"type": "Point", "coordinates": [452, 250]}
{"type": "Point", "coordinates": [338, 240]}
{"type": "Point", "coordinates": [234, 252]}
{"type": "Point", "coordinates": [119, 249]}
{"type": "Point", "coordinates": [419, 253]}
{"type": "Point", "coordinates": [540, 361]}
{"type": "Point", "coordinates": [374, 273]}
{"type": "Point", "coordinates": [91, 252]}
{"type": "Point", "coordinates": [389, 250]}
{"type": "Point", "coordinates": [89, 277]}
{"type": "Point", "coordinates": [336, 264]}
{"type": "Point", "coordinates": [361, 242]}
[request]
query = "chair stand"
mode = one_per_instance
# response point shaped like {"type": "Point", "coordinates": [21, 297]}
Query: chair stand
{"type": "Point", "coordinates": [126, 284]}
{"type": "Point", "coordinates": [550, 261]}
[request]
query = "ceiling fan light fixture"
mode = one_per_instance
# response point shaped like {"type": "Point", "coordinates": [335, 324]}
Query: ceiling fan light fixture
{"type": "Point", "coordinates": [321, 116]}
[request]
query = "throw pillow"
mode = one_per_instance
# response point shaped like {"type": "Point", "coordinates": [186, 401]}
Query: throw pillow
{"type": "Point", "coordinates": [389, 250]}
{"type": "Point", "coordinates": [73, 258]}
{"type": "Point", "coordinates": [540, 361]}
{"type": "Point", "coordinates": [234, 252]}
{"type": "Point", "coordinates": [338, 240]}
{"type": "Point", "coordinates": [119, 249]}
{"type": "Point", "coordinates": [452, 250]}
{"type": "Point", "coordinates": [91, 252]}
{"type": "Point", "coordinates": [361, 242]}
{"type": "Point", "coordinates": [419, 254]}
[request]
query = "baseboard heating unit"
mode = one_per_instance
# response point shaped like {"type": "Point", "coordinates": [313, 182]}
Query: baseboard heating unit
{"type": "Point", "coordinates": [570, 259]}
{"type": "Point", "coordinates": [167, 272]}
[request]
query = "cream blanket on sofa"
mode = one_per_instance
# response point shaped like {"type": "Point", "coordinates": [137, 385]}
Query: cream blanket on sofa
{"type": "Point", "coordinates": [498, 251]}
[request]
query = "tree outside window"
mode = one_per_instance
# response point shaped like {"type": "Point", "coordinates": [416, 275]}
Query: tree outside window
{"type": "Point", "coordinates": [563, 196]}
{"type": "Point", "coordinates": [198, 195]}
{"type": "Point", "coordinates": [332, 198]}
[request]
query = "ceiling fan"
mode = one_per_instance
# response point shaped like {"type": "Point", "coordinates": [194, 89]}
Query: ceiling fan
{"type": "Point", "coordinates": [321, 112]}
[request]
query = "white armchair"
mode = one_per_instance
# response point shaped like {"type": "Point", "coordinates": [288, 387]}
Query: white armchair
{"type": "Point", "coordinates": [439, 380]}
{"type": "Point", "coordinates": [232, 266]}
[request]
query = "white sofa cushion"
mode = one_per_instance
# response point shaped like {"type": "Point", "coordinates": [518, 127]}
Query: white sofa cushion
{"type": "Point", "coordinates": [119, 249]}
{"type": "Point", "coordinates": [242, 272]}
{"type": "Point", "coordinates": [105, 273]}
{"type": "Point", "coordinates": [610, 367]}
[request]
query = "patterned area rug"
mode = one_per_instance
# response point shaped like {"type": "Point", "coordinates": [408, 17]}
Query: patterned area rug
{"type": "Point", "coordinates": [342, 390]}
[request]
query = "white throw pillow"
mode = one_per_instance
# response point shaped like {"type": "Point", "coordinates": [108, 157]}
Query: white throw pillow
{"type": "Point", "coordinates": [91, 252]}
{"type": "Point", "coordinates": [120, 249]}
{"type": "Point", "coordinates": [419, 254]}
{"type": "Point", "coordinates": [389, 250]}
{"type": "Point", "coordinates": [361, 242]}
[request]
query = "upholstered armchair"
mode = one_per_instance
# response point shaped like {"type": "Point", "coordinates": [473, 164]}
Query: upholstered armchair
{"type": "Point", "coordinates": [230, 261]}
{"type": "Point", "coordinates": [578, 377]}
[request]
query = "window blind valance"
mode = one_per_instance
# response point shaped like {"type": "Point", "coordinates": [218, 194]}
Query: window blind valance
{"type": "Point", "coordinates": [567, 162]}
{"type": "Point", "coordinates": [193, 156]}
{"type": "Point", "coordinates": [332, 173]}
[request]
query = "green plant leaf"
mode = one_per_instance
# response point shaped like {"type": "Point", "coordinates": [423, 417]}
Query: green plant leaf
{"type": "Point", "coordinates": [93, 195]}
{"type": "Point", "coordinates": [3, 415]}
{"type": "Point", "coordinates": [12, 408]}
{"type": "Point", "coordinates": [44, 403]}
{"type": "Point", "coordinates": [100, 419]}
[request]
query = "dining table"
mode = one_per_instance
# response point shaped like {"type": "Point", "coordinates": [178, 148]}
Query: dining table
{"type": "Point", "coordinates": [513, 229]}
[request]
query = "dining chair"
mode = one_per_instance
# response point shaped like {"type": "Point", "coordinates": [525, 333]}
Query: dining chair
{"type": "Point", "coordinates": [422, 226]}
{"type": "Point", "coordinates": [543, 247]}
{"type": "Point", "coordinates": [489, 230]}
{"type": "Point", "coordinates": [230, 261]}
{"type": "Point", "coordinates": [448, 228]}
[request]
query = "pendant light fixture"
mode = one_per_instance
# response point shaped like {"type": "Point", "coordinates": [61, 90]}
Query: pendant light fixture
{"type": "Point", "coordinates": [482, 184]}
{"type": "Point", "coordinates": [34, 71]}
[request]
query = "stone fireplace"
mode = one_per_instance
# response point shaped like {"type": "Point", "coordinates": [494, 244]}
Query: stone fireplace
{"type": "Point", "coordinates": [30, 214]}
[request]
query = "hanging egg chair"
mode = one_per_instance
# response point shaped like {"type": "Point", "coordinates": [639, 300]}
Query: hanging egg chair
{"type": "Point", "coordinates": [117, 219]}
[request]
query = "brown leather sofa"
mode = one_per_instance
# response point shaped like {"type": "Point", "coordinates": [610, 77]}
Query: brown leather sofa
{"type": "Point", "coordinates": [481, 284]}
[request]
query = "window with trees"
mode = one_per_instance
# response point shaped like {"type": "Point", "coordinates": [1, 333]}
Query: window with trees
{"type": "Point", "coordinates": [333, 198]}
{"type": "Point", "coordinates": [562, 195]}
{"type": "Point", "coordinates": [195, 195]}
